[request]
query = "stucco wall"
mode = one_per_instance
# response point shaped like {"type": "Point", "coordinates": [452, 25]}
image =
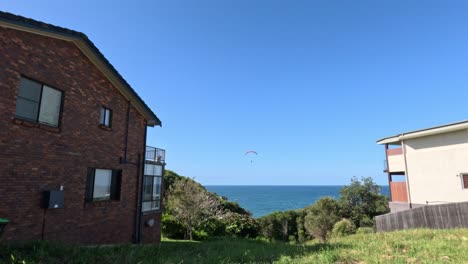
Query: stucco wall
{"type": "Point", "coordinates": [434, 164]}
{"type": "Point", "coordinates": [396, 163]}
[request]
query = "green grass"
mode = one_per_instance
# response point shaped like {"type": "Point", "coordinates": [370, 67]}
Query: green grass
{"type": "Point", "coordinates": [414, 246]}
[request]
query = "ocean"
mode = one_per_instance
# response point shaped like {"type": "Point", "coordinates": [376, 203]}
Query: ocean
{"type": "Point", "coordinates": [263, 200]}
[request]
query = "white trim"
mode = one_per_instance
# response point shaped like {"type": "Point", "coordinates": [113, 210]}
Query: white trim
{"type": "Point", "coordinates": [425, 133]}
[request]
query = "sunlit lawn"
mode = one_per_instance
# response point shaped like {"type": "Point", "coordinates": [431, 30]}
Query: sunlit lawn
{"type": "Point", "coordinates": [415, 246]}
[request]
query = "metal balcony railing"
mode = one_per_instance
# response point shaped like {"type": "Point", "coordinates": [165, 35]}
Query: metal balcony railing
{"type": "Point", "coordinates": [155, 154]}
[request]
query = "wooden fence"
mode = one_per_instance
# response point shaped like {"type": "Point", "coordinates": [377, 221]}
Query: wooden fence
{"type": "Point", "coordinates": [442, 216]}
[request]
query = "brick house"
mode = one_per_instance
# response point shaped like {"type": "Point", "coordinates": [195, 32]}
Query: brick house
{"type": "Point", "coordinates": [73, 142]}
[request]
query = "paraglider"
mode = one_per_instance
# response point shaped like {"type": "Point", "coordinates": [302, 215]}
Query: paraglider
{"type": "Point", "coordinates": [251, 153]}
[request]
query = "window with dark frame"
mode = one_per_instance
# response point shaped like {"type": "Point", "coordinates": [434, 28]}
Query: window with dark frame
{"type": "Point", "coordinates": [105, 118]}
{"type": "Point", "coordinates": [465, 180]}
{"type": "Point", "coordinates": [38, 102]}
{"type": "Point", "coordinates": [103, 184]}
{"type": "Point", "coordinates": [152, 187]}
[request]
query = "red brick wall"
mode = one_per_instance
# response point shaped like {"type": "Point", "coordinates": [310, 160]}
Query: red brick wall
{"type": "Point", "coordinates": [151, 234]}
{"type": "Point", "coordinates": [36, 158]}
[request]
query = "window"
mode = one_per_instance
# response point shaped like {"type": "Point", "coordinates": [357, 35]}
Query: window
{"type": "Point", "coordinates": [106, 116]}
{"type": "Point", "coordinates": [38, 102]}
{"type": "Point", "coordinates": [152, 187]}
{"type": "Point", "coordinates": [465, 180]}
{"type": "Point", "coordinates": [103, 184]}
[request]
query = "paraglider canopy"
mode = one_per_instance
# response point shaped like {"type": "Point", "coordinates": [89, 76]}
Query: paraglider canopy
{"type": "Point", "coordinates": [251, 154]}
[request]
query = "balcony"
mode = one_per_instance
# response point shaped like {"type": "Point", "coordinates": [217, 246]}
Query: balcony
{"type": "Point", "coordinates": [155, 154]}
{"type": "Point", "coordinates": [395, 161]}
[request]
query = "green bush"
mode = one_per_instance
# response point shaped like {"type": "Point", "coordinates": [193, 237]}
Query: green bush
{"type": "Point", "coordinates": [367, 221]}
{"type": "Point", "coordinates": [361, 201]}
{"type": "Point", "coordinates": [200, 235]}
{"type": "Point", "coordinates": [171, 228]}
{"type": "Point", "coordinates": [215, 227]}
{"type": "Point", "coordinates": [365, 230]}
{"type": "Point", "coordinates": [302, 235]}
{"type": "Point", "coordinates": [279, 226]}
{"type": "Point", "coordinates": [321, 217]}
{"type": "Point", "coordinates": [343, 228]}
{"type": "Point", "coordinates": [241, 225]}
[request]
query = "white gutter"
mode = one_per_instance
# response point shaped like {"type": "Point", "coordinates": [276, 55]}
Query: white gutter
{"type": "Point", "coordinates": [424, 133]}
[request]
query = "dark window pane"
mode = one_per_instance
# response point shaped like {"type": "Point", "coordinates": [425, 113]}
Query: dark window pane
{"type": "Point", "coordinates": [89, 185]}
{"type": "Point", "coordinates": [157, 187]}
{"type": "Point", "coordinates": [26, 108]}
{"type": "Point", "coordinates": [50, 106]}
{"type": "Point", "coordinates": [147, 188]}
{"type": "Point", "coordinates": [29, 89]}
{"type": "Point", "coordinates": [156, 205]}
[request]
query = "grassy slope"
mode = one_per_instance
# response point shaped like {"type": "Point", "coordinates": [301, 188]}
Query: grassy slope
{"type": "Point", "coordinates": [415, 246]}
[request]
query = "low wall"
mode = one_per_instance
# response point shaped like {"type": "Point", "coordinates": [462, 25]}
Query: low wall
{"type": "Point", "coordinates": [398, 206]}
{"type": "Point", "coordinates": [442, 216]}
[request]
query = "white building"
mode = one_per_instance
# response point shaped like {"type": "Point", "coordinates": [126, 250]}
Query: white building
{"type": "Point", "coordinates": [428, 166]}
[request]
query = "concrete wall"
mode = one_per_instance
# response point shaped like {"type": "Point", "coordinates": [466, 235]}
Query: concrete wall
{"type": "Point", "coordinates": [434, 164]}
{"type": "Point", "coordinates": [398, 206]}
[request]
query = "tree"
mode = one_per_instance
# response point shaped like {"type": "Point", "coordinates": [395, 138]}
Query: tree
{"type": "Point", "coordinates": [361, 201]}
{"type": "Point", "coordinates": [169, 178]}
{"type": "Point", "coordinates": [321, 217]}
{"type": "Point", "coordinates": [191, 205]}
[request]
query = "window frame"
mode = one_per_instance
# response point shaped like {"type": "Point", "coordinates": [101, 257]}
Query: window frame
{"type": "Point", "coordinates": [115, 185]}
{"type": "Point", "coordinates": [153, 199]}
{"type": "Point", "coordinates": [462, 177]}
{"type": "Point", "coordinates": [36, 120]}
{"type": "Point", "coordinates": [103, 124]}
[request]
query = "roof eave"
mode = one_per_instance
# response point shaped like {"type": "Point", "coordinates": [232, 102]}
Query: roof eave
{"type": "Point", "coordinates": [388, 140]}
{"type": "Point", "coordinates": [92, 52]}
{"type": "Point", "coordinates": [425, 132]}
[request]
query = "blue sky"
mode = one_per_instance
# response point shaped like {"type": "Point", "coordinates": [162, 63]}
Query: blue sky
{"type": "Point", "coordinates": [309, 85]}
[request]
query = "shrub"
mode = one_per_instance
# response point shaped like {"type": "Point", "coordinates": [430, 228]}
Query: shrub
{"type": "Point", "coordinates": [200, 235]}
{"type": "Point", "coordinates": [321, 217]}
{"type": "Point", "coordinates": [302, 235]}
{"type": "Point", "coordinates": [361, 201]}
{"type": "Point", "coordinates": [241, 225]}
{"type": "Point", "coordinates": [365, 230]}
{"type": "Point", "coordinates": [279, 226]}
{"type": "Point", "coordinates": [191, 205]}
{"type": "Point", "coordinates": [215, 227]}
{"type": "Point", "coordinates": [343, 228]}
{"type": "Point", "coordinates": [171, 228]}
{"type": "Point", "coordinates": [367, 221]}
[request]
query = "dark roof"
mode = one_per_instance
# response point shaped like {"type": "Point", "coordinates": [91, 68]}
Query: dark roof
{"type": "Point", "coordinates": [28, 22]}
